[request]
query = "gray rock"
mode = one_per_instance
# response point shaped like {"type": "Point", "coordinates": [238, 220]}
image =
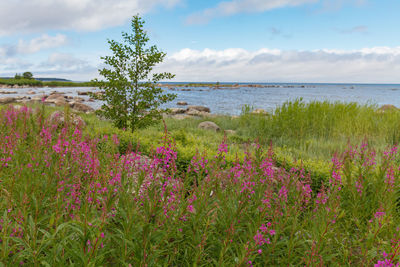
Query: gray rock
{"type": "Point", "coordinates": [7, 100]}
{"type": "Point", "coordinates": [54, 97]}
{"type": "Point", "coordinates": [174, 111]}
{"type": "Point", "coordinates": [82, 93]}
{"type": "Point", "coordinates": [209, 125]}
{"type": "Point", "coordinates": [60, 102]}
{"type": "Point", "coordinates": [58, 118]}
{"type": "Point", "coordinates": [259, 111]}
{"type": "Point", "coordinates": [194, 112]}
{"type": "Point", "coordinates": [182, 103]}
{"type": "Point", "coordinates": [78, 99]}
{"type": "Point", "coordinates": [82, 107]}
{"type": "Point", "coordinates": [198, 108]}
{"type": "Point", "coordinates": [8, 92]}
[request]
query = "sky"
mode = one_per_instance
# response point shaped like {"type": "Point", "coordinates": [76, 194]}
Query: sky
{"type": "Point", "coordinates": [334, 41]}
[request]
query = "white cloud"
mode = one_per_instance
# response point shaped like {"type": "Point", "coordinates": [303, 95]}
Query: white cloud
{"type": "Point", "coordinates": [64, 62]}
{"type": "Point", "coordinates": [41, 43]}
{"type": "Point", "coordinates": [242, 6]}
{"type": "Point", "coordinates": [10, 53]}
{"type": "Point", "coordinates": [39, 15]}
{"type": "Point", "coordinates": [229, 8]}
{"type": "Point", "coordinates": [368, 65]}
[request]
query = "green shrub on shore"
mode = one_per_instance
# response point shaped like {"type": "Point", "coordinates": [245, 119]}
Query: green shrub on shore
{"type": "Point", "coordinates": [37, 83]}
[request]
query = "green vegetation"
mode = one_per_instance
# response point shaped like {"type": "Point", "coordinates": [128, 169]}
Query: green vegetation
{"type": "Point", "coordinates": [20, 81]}
{"type": "Point", "coordinates": [303, 135]}
{"type": "Point", "coordinates": [132, 98]}
{"type": "Point", "coordinates": [86, 196]}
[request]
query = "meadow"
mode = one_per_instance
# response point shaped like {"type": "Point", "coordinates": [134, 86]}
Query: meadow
{"type": "Point", "coordinates": [312, 184]}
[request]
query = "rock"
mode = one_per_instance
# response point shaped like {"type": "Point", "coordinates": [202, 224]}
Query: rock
{"type": "Point", "coordinates": [230, 131]}
{"type": "Point", "coordinates": [182, 103]}
{"type": "Point", "coordinates": [386, 108]}
{"type": "Point", "coordinates": [58, 118]}
{"type": "Point", "coordinates": [57, 93]}
{"type": "Point", "coordinates": [30, 92]}
{"type": "Point", "coordinates": [82, 107]}
{"type": "Point", "coordinates": [198, 108]}
{"type": "Point", "coordinates": [193, 112]}
{"type": "Point", "coordinates": [60, 102]}
{"type": "Point", "coordinates": [174, 111]}
{"type": "Point", "coordinates": [259, 111]}
{"type": "Point", "coordinates": [53, 97]}
{"type": "Point", "coordinates": [78, 99]}
{"type": "Point", "coordinates": [82, 93]}
{"type": "Point", "coordinates": [209, 125]}
{"type": "Point", "coordinates": [8, 92]}
{"type": "Point", "coordinates": [7, 100]}
{"type": "Point", "coordinates": [38, 98]}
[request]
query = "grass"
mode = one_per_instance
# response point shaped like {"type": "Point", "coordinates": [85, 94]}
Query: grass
{"type": "Point", "coordinates": [36, 83]}
{"type": "Point", "coordinates": [86, 196]}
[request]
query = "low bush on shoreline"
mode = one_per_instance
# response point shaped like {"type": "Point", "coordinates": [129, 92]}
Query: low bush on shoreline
{"type": "Point", "coordinates": [37, 83]}
{"type": "Point", "coordinates": [70, 198]}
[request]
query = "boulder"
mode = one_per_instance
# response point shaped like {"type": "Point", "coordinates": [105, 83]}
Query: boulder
{"type": "Point", "coordinates": [38, 98]}
{"type": "Point", "coordinates": [82, 107]}
{"type": "Point", "coordinates": [209, 125]}
{"type": "Point", "coordinates": [259, 111]}
{"type": "Point", "coordinates": [174, 111]}
{"type": "Point", "coordinates": [30, 92]}
{"type": "Point", "coordinates": [8, 92]}
{"type": "Point", "coordinates": [182, 103]}
{"type": "Point", "coordinates": [198, 108]}
{"type": "Point", "coordinates": [58, 118]}
{"type": "Point", "coordinates": [82, 93]}
{"type": "Point", "coordinates": [78, 99]}
{"type": "Point", "coordinates": [60, 102]}
{"type": "Point", "coordinates": [193, 112]}
{"type": "Point", "coordinates": [7, 100]}
{"type": "Point", "coordinates": [54, 97]}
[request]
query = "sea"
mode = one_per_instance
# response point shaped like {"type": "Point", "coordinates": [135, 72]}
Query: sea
{"type": "Point", "coordinates": [267, 96]}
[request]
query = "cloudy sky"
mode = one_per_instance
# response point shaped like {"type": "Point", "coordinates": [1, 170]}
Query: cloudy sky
{"type": "Point", "coordinates": [210, 40]}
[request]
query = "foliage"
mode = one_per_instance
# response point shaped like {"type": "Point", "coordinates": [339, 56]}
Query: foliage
{"type": "Point", "coordinates": [132, 102]}
{"type": "Point", "coordinates": [27, 75]}
{"type": "Point", "coordinates": [75, 200]}
{"type": "Point", "coordinates": [32, 82]}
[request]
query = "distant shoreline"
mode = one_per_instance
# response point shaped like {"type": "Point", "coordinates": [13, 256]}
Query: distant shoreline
{"type": "Point", "coordinates": [27, 83]}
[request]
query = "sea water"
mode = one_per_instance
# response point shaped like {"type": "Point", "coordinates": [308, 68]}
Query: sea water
{"type": "Point", "coordinates": [231, 100]}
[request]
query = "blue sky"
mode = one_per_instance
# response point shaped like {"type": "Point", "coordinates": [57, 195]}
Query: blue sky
{"type": "Point", "coordinates": [210, 40]}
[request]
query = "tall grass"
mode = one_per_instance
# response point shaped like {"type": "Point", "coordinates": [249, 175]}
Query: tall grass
{"type": "Point", "coordinates": [318, 129]}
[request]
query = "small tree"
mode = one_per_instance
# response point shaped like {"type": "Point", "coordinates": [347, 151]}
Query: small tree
{"type": "Point", "coordinates": [27, 75]}
{"type": "Point", "coordinates": [17, 76]}
{"type": "Point", "coordinates": [131, 95]}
